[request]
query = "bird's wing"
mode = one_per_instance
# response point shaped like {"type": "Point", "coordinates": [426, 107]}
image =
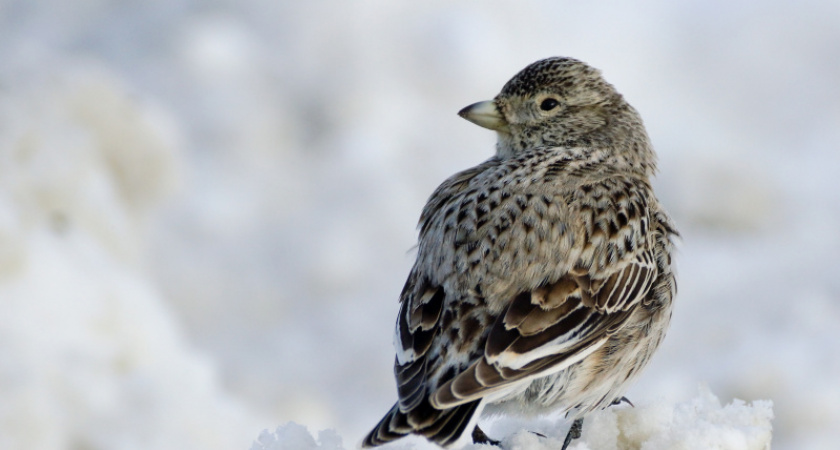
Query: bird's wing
{"type": "Point", "coordinates": [421, 309]}
{"type": "Point", "coordinates": [550, 328]}
{"type": "Point", "coordinates": [417, 325]}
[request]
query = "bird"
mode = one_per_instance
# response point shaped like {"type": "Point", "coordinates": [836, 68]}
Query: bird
{"type": "Point", "coordinates": [543, 280]}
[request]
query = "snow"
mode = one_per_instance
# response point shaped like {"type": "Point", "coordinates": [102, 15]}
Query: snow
{"type": "Point", "coordinates": [207, 210]}
{"type": "Point", "coordinates": [699, 423]}
{"type": "Point", "coordinates": [295, 436]}
{"type": "Point", "coordinates": [93, 356]}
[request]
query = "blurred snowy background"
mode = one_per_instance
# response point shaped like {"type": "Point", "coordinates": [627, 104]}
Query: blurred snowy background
{"type": "Point", "coordinates": [207, 208]}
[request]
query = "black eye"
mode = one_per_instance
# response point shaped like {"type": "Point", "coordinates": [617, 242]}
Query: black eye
{"type": "Point", "coordinates": [549, 104]}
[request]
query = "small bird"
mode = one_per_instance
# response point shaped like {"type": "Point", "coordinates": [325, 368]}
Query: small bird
{"type": "Point", "coordinates": [543, 277]}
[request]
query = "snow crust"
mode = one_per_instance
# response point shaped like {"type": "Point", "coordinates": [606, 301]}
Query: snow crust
{"type": "Point", "coordinates": [699, 423]}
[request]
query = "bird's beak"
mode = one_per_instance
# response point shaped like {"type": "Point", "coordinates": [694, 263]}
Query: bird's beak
{"type": "Point", "coordinates": [485, 114]}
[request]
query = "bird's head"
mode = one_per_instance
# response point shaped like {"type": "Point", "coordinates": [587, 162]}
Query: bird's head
{"type": "Point", "coordinates": [552, 102]}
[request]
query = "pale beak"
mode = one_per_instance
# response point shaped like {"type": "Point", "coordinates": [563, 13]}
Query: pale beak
{"type": "Point", "coordinates": [485, 114]}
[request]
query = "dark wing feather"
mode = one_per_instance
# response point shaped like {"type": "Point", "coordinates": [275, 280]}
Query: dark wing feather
{"type": "Point", "coordinates": [441, 427]}
{"type": "Point", "coordinates": [417, 326]}
{"type": "Point", "coordinates": [550, 328]}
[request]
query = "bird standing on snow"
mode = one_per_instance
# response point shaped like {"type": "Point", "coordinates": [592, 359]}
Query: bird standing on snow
{"type": "Point", "coordinates": [543, 278]}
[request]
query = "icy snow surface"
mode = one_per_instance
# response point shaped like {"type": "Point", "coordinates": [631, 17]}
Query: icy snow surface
{"type": "Point", "coordinates": [207, 209]}
{"type": "Point", "coordinates": [700, 423]}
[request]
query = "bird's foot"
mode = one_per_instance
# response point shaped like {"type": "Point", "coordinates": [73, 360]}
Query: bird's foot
{"type": "Point", "coordinates": [574, 433]}
{"type": "Point", "coordinates": [479, 437]}
{"type": "Point", "coordinates": [621, 400]}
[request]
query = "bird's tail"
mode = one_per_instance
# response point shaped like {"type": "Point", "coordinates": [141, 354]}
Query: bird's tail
{"type": "Point", "coordinates": [443, 427]}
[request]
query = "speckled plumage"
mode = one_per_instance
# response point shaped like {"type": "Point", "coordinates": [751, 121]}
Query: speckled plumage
{"type": "Point", "coordinates": [543, 277]}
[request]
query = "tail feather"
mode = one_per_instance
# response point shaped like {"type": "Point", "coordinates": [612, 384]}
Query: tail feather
{"type": "Point", "coordinates": [451, 425]}
{"type": "Point", "coordinates": [441, 427]}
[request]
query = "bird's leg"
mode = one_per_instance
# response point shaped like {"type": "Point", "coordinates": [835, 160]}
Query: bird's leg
{"type": "Point", "coordinates": [479, 437]}
{"type": "Point", "coordinates": [577, 425]}
{"type": "Point", "coordinates": [574, 432]}
{"type": "Point", "coordinates": [618, 401]}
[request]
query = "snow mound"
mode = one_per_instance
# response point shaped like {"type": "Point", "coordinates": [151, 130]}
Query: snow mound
{"type": "Point", "coordinates": [92, 355]}
{"type": "Point", "coordinates": [294, 436]}
{"type": "Point", "coordinates": [699, 423]}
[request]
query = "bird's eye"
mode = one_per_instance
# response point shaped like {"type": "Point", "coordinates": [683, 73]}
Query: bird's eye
{"type": "Point", "coordinates": [549, 104]}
